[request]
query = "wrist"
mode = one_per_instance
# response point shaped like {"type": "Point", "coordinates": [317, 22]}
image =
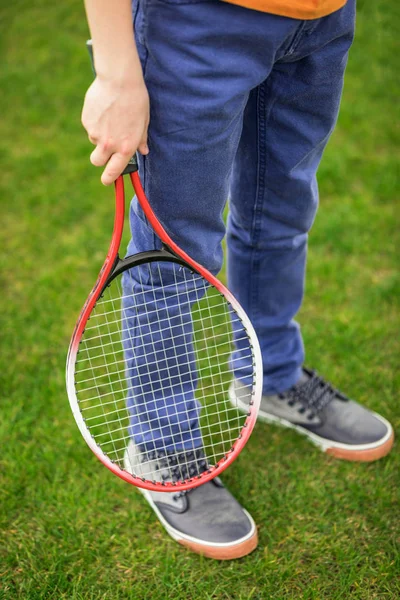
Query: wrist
{"type": "Point", "coordinates": [120, 72]}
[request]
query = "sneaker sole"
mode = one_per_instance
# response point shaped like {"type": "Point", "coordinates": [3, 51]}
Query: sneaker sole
{"type": "Point", "coordinates": [359, 453]}
{"type": "Point", "coordinates": [217, 551]}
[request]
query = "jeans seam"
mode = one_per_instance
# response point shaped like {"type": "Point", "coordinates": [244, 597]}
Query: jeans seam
{"type": "Point", "coordinates": [139, 27]}
{"type": "Point", "coordinates": [255, 229]}
{"type": "Point", "coordinates": [262, 121]}
{"type": "Point", "coordinates": [296, 40]}
{"type": "Point", "coordinates": [143, 55]}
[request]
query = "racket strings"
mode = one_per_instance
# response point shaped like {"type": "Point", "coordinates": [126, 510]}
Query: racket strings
{"type": "Point", "coordinates": [154, 369]}
{"type": "Point", "coordinates": [150, 373]}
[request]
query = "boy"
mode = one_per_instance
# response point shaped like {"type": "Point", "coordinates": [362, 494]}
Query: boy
{"type": "Point", "coordinates": [244, 97]}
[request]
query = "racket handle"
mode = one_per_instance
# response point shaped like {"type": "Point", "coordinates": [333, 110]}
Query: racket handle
{"type": "Point", "coordinates": [132, 165]}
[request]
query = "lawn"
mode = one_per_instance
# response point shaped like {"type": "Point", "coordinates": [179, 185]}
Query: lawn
{"type": "Point", "coordinates": [71, 530]}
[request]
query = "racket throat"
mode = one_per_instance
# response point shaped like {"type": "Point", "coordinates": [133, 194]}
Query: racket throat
{"type": "Point", "coordinates": [167, 250]}
{"type": "Point", "coordinates": [123, 264]}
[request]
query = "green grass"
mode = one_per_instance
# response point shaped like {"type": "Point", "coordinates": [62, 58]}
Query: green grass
{"type": "Point", "coordinates": [70, 530]}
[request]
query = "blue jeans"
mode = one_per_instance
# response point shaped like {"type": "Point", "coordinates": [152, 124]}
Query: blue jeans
{"type": "Point", "coordinates": [242, 106]}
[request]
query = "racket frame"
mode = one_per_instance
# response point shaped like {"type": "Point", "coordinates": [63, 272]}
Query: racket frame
{"type": "Point", "coordinates": [114, 265]}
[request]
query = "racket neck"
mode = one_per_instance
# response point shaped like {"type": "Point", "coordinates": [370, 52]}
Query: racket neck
{"type": "Point", "coordinates": [112, 254]}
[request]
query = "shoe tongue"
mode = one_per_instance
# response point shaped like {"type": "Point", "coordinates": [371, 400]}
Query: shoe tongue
{"type": "Point", "coordinates": [304, 378]}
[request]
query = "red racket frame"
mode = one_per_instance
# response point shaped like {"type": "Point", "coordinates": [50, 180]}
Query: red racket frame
{"type": "Point", "coordinates": [107, 269]}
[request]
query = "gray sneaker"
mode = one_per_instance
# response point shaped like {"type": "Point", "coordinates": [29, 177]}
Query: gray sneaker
{"type": "Point", "coordinates": [337, 425]}
{"type": "Point", "coordinates": [207, 519]}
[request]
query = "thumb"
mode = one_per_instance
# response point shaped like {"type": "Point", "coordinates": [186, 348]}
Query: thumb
{"type": "Point", "coordinates": [143, 147]}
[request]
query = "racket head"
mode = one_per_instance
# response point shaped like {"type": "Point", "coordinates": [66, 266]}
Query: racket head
{"type": "Point", "coordinates": [154, 352]}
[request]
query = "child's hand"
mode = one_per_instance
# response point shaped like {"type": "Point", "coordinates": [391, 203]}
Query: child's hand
{"type": "Point", "coordinates": [116, 116]}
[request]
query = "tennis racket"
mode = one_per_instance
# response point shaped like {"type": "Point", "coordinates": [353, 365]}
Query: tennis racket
{"type": "Point", "coordinates": [151, 361]}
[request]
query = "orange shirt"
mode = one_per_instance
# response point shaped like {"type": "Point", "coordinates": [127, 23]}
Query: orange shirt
{"type": "Point", "coordinates": [297, 9]}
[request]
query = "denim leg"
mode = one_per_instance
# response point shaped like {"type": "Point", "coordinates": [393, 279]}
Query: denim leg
{"type": "Point", "coordinates": [274, 195]}
{"type": "Point", "coordinates": [205, 64]}
{"type": "Point", "coordinates": [160, 356]}
{"type": "Point", "coordinates": [200, 62]}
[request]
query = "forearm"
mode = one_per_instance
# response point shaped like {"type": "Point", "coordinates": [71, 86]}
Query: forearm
{"type": "Point", "coordinates": [116, 108]}
{"type": "Point", "coordinates": [115, 53]}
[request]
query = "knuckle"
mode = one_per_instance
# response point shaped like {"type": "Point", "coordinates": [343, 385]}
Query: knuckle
{"type": "Point", "coordinates": [106, 145]}
{"type": "Point", "coordinates": [93, 134]}
{"type": "Point", "coordinates": [127, 148]}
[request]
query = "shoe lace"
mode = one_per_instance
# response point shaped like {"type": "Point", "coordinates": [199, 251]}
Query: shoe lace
{"type": "Point", "coordinates": [179, 467]}
{"type": "Point", "coordinates": [313, 395]}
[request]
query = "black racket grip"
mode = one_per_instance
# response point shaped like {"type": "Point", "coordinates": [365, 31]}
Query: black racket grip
{"type": "Point", "coordinates": [132, 165]}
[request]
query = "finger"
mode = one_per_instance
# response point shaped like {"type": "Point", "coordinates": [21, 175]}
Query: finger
{"type": "Point", "coordinates": [114, 168]}
{"type": "Point", "coordinates": [100, 156]}
{"type": "Point", "coordinates": [143, 148]}
{"type": "Point", "coordinates": [93, 139]}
